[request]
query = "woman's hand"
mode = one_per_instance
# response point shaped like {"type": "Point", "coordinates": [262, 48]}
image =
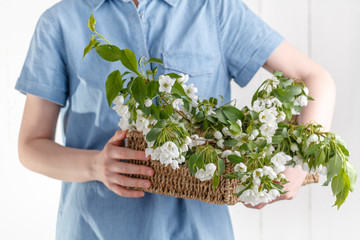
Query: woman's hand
{"type": "Point", "coordinates": [296, 177]}
{"type": "Point", "coordinates": [108, 167]}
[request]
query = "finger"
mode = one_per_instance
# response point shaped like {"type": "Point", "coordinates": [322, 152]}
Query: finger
{"type": "Point", "coordinates": [118, 138]}
{"type": "Point", "coordinates": [123, 192]}
{"type": "Point", "coordinates": [126, 153]}
{"type": "Point", "coordinates": [129, 168]}
{"type": "Point", "coordinates": [129, 181]}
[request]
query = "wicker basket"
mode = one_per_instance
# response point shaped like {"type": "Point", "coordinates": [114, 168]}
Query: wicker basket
{"type": "Point", "coordinates": [182, 184]}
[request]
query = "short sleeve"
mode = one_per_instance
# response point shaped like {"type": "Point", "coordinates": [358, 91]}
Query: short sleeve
{"type": "Point", "coordinates": [246, 40]}
{"type": "Point", "coordinates": [44, 73]}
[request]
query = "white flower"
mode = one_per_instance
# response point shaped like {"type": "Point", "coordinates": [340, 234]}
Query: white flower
{"type": "Point", "coordinates": [239, 188]}
{"type": "Point", "coordinates": [218, 135]}
{"type": "Point", "coordinates": [298, 140]}
{"type": "Point", "coordinates": [176, 103]}
{"type": "Point", "coordinates": [281, 117]}
{"type": "Point", "coordinates": [166, 83]}
{"type": "Point", "coordinates": [322, 170]}
{"type": "Point", "coordinates": [141, 123]}
{"type": "Point", "coordinates": [119, 100]}
{"type": "Point", "coordinates": [301, 101]}
{"type": "Point", "coordinates": [174, 164]}
{"type": "Point", "coordinates": [239, 122]}
{"type": "Point", "coordinates": [149, 151]}
{"type": "Point", "coordinates": [124, 123]}
{"type": "Point", "coordinates": [226, 131]}
{"type": "Point", "coordinates": [240, 167]}
{"type": "Point", "coordinates": [305, 167]}
{"type": "Point", "coordinates": [267, 116]}
{"type": "Point", "coordinates": [258, 105]}
{"type": "Point", "coordinates": [257, 174]}
{"type": "Point", "coordinates": [254, 133]}
{"type": "Point", "coordinates": [294, 147]}
{"type": "Point", "coordinates": [312, 138]}
{"type": "Point", "coordinates": [187, 140]}
{"type": "Point", "coordinates": [183, 79]}
{"type": "Point", "coordinates": [210, 168]}
{"type": "Point", "coordinates": [184, 148]}
{"type": "Point", "coordinates": [244, 178]}
{"type": "Point", "coordinates": [201, 174]}
{"type": "Point", "coordinates": [121, 110]}
{"type": "Point", "coordinates": [268, 171]}
{"type": "Point", "coordinates": [276, 102]}
{"type": "Point", "coordinates": [181, 159]}
{"type": "Point", "coordinates": [268, 129]}
{"type": "Point", "coordinates": [148, 102]}
{"type": "Point", "coordinates": [191, 91]}
{"type": "Point", "coordinates": [226, 153]}
{"type": "Point", "coordinates": [298, 160]}
{"type": "Point", "coordinates": [306, 90]}
{"type": "Point", "coordinates": [273, 194]}
{"type": "Point", "coordinates": [279, 160]}
{"type": "Point", "coordinates": [220, 143]}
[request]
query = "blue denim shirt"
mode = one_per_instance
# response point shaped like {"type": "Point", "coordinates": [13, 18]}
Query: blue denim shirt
{"type": "Point", "coordinates": [211, 40]}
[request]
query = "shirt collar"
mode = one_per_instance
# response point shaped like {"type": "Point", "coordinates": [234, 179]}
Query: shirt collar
{"type": "Point", "coordinates": [95, 4]}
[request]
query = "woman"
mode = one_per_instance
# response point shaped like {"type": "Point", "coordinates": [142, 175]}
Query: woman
{"type": "Point", "coordinates": [212, 41]}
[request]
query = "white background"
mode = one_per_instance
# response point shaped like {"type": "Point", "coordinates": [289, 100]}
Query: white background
{"type": "Point", "coordinates": [326, 30]}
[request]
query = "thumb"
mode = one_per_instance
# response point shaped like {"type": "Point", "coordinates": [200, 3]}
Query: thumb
{"type": "Point", "coordinates": [118, 138]}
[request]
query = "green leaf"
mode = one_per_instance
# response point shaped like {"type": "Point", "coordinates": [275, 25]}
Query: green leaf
{"type": "Point", "coordinates": [161, 124]}
{"type": "Point", "coordinates": [277, 74]}
{"type": "Point", "coordinates": [173, 75]}
{"type": "Point", "coordinates": [215, 181]}
{"type": "Point", "coordinates": [205, 124]}
{"type": "Point", "coordinates": [334, 167]}
{"type": "Point", "coordinates": [235, 159]}
{"type": "Point", "coordinates": [232, 113]}
{"type": "Point", "coordinates": [108, 52]}
{"type": "Point", "coordinates": [221, 166]}
{"type": "Point", "coordinates": [153, 134]}
{"type": "Point", "coordinates": [277, 139]}
{"type": "Point", "coordinates": [283, 95]}
{"type": "Point", "coordinates": [155, 112]}
{"type": "Point", "coordinates": [312, 149]}
{"type": "Point", "coordinates": [293, 90]}
{"type": "Point", "coordinates": [169, 110]}
{"type": "Point", "coordinates": [152, 89]}
{"type": "Point", "coordinates": [342, 145]}
{"type": "Point", "coordinates": [154, 60]}
{"type": "Point", "coordinates": [254, 115]}
{"type": "Point", "coordinates": [340, 187]}
{"type": "Point", "coordinates": [138, 90]}
{"type": "Point", "coordinates": [178, 89]}
{"type": "Point", "coordinates": [128, 59]}
{"type": "Point", "coordinates": [113, 86]}
{"type": "Point", "coordinates": [235, 128]}
{"type": "Point", "coordinates": [230, 142]}
{"type": "Point", "coordinates": [220, 116]}
{"type": "Point", "coordinates": [192, 163]}
{"type": "Point", "coordinates": [337, 184]}
{"type": "Point", "coordinates": [351, 173]}
{"type": "Point", "coordinates": [199, 116]}
{"type": "Point", "coordinates": [91, 23]}
{"type": "Point", "coordinates": [88, 48]}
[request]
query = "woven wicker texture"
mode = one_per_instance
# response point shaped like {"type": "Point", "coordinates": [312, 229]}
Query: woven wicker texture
{"type": "Point", "coordinates": [181, 183]}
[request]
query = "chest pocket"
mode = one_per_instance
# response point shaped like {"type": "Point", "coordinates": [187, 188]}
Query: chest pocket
{"type": "Point", "coordinates": [199, 67]}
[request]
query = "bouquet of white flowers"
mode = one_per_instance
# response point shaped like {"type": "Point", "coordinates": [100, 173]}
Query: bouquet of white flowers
{"type": "Point", "coordinates": [258, 142]}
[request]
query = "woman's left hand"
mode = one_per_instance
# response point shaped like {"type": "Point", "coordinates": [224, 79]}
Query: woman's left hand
{"type": "Point", "coordinates": [296, 177]}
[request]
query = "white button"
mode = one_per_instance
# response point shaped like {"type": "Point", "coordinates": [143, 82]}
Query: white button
{"type": "Point", "coordinates": [141, 15]}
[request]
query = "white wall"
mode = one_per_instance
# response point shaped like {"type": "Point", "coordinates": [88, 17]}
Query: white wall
{"type": "Point", "coordinates": [326, 30]}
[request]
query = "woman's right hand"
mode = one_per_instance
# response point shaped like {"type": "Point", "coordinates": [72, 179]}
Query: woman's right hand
{"type": "Point", "coordinates": [108, 168]}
